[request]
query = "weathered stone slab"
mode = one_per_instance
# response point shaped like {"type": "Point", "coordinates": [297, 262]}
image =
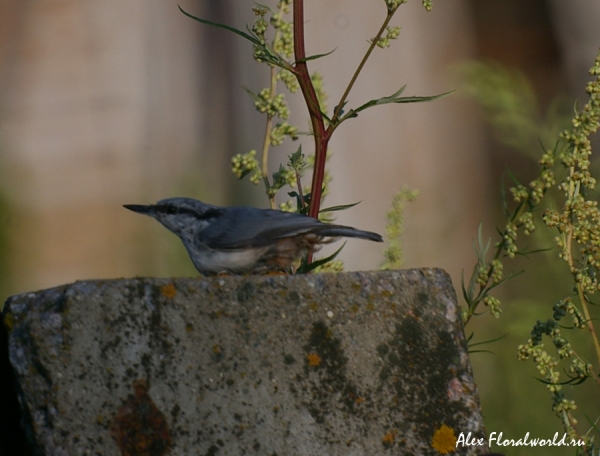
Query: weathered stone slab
{"type": "Point", "coordinates": [326, 364]}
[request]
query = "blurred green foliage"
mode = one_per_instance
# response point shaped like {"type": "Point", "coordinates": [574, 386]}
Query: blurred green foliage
{"type": "Point", "coordinates": [515, 395]}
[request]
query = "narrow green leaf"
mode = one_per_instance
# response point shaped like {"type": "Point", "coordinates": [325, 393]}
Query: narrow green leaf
{"type": "Point", "coordinates": [512, 176]}
{"type": "Point", "coordinates": [304, 268]}
{"type": "Point", "coordinates": [394, 98]}
{"type": "Point", "coordinates": [472, 352]}
{"type": "Point", "coordinates": [593, 424]}
{"type": "Point", "coordinates": [341, 207]}
{"type": "Point", "coordinates": [269, 55]}
{"type": "Point", "coordinates": [510, 276]}
{"type": "Point", "coordinates": [223, 26]}
{"type": "Point", "coordinates": [483, 249]}
{"type": "Point", "coordinates": [525, 253]}
{"type": "Point", "coordinates": [253, 95]}
{"type": "Point", "coordinates": [462, 285]}
{"type": "Point", "coordinates": [489, 341]}
{"type": "Point", "coordinates": [325, 116]}
{"type": "Point", "coordinates": [380, 101]}
{"type": "Point", "coordinates": [315, 57]}
{"type": "Point", "coordinates": [572, 381]}
{"type": "Point", "coordinates": [505, 210]}
{"type": "Point", "coordinates": [472, 282]}
{"type": "Point", "coordinates": [296, 160]}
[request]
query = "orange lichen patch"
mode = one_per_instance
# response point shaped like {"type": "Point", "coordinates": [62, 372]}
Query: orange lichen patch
{"type": "Point", "coordinates": [359, 400]}
{"type": "Point", "coordinates": [444, 440]}
{"type": "Point", "coordinates": [168, 291]}
{"type": "Point", "coordinates": [389, 438]}
{"type": "Point", "coordinates": [216, 349]}
{"type": "Point", "coordinates": [314, 360]}
{"type": "Point", "coordinates": [139, 427]}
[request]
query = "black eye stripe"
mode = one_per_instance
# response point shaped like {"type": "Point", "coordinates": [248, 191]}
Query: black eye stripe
{"type": "Point", "coordinates": [171, 209]}
{"type": "Point", "coordinates": [168, 208]}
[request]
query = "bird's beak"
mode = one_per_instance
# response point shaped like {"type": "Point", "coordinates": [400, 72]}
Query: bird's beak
{"type": "Point", "coordinates": [140, 209]}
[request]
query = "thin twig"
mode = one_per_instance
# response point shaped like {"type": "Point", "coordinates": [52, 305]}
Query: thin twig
{"type": "Point", "coordinates": [340, 105]}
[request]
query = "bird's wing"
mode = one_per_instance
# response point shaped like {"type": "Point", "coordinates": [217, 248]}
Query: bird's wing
{"type": "Point", "coordinates": [249, 227]}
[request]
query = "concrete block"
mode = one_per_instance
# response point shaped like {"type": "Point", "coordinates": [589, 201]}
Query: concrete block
{"type": "Point", "coordinates": [360, 363]}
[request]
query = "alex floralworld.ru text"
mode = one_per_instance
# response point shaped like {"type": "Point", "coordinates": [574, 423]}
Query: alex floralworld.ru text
{"type": "Point", "coordinates": [496, 438]}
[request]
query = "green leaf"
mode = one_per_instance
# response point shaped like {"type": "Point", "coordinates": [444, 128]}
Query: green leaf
{"type": "Point", "coordinates": [472, 352]}
{"type": "Point", "coordinates": [341, 207]}
{"type": "Point", "coordinates": [297, 160]}
{"type": "Point", "coordinates": [304, 268]}
{"type": "Point", "coordinates": [470, 291]}
{"type": "Point", "coordinates": [315, 57]}
{"type": "Point", "coordinates": [462, 286]}
{"type": "Point", "coordinates": [394, 98]}
{"type": "Point", "coordinates": [505, 210]}
{"type": "Point", "coordinates": [325, 116]}
{"type": "Point", "coordinates": [483, 249]}
{"type": "Point", "coordinates": [513, 177]}
{"type": "Point", "coordinates": [488, 341]}
{"type": "Point", "coordinates": [510, 276]}
{"type": "Point", "coordinates": [223, 26]}
{"type": "Point", "coordinates": [572, 381]}
{"type": "Point", "coordinates": [593, 424]}
{"type": "Point", "coordinates": [269, 55]}
{"type": "Point", "coordinates": [524, 252]}
{"type": "Point", "coordinates": [253, 95]}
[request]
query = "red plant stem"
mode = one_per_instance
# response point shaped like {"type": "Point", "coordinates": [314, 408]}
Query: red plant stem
{"type": "Point", "coordinates": [316, 118]}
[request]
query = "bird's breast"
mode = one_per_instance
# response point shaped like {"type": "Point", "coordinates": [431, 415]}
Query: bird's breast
{"type": "Point", "coordinates": [215, 261]}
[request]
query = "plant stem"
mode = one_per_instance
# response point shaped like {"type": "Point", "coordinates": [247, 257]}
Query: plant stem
{"type": "Point", "coordinates": [316, 118]}
{"type": "Point", "coordinates": [590, 325]}
{"type": "Point", "coordinates": [267, 141]}
{"type": "Point", "coordinates": [322, 134]}
{"type": "Point", "coordinates": [269, 125]}
{"type": "Point", "coordinates": [340, 105]}
{"type": "Point", "coordinates": [472, 305]}
{"type": "Point", "coordinates": [572, 193]}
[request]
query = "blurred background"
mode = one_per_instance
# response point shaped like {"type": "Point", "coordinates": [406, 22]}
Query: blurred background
{"type": "Point", "coordinates": [105, 103]}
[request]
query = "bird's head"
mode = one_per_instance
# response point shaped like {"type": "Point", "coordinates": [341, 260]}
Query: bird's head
{"type": "Point", "coordinates": [182, 216]}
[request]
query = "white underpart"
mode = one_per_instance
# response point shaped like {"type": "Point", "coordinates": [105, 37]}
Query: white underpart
{"type": "Point", "coordinates": [216, 261]}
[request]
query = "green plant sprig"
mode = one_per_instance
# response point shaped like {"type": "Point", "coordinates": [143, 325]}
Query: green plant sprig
{"type": "Point", "coordinates": [576, 220]}
{"type": "Point", "coordinates": [573, 215]}
{"type": "Point", "coordinates": [489, 274]}
{"type": "Point", "coordinates": [322, 126]}
{"type": "Point", "coordinates": [511, 108]}
{"type": "Point", "coordinates": [578, 224]}
{"type": "Point", "coordinates": [394, 255]}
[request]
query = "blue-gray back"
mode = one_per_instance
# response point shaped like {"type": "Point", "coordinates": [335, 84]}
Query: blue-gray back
{"type": "Point", "coordinates": [240, 227]}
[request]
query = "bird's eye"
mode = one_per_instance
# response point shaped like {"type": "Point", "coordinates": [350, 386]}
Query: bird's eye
{"type": "Point", "coordinates": [171, 209]}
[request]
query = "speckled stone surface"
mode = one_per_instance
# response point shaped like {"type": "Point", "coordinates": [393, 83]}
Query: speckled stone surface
{"type": "Point", "coordinates": [361, 363]}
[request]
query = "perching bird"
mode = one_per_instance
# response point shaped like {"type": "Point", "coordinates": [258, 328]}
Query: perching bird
{"type": "Point", "coordinates": [243, 239]}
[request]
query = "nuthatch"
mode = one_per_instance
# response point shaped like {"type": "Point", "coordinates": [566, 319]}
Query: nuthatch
{"type": "Point", "coordinates": [243, 239]}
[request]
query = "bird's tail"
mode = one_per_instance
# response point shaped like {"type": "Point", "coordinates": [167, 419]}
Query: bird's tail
{"type": "Point", "coordinates": [348, 231]}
